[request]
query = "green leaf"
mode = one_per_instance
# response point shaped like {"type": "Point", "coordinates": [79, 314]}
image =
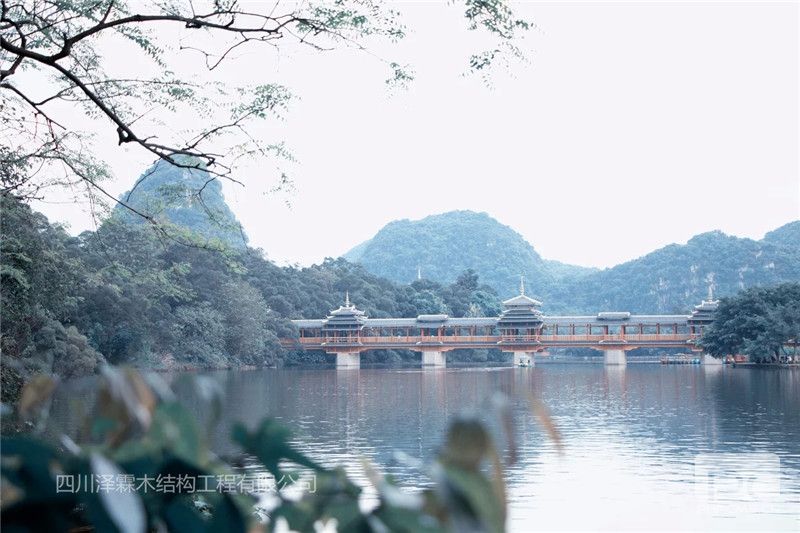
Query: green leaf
{"type": "Point", "coordinates": [269, 443]}
{"type": "Point", "coordinates": [176, 430]}
{"type": "Point", "coordinates": [470, 496]}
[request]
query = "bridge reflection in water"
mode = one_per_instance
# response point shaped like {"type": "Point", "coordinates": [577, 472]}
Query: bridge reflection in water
{"type": "Point", "coordinates": [522, 329]}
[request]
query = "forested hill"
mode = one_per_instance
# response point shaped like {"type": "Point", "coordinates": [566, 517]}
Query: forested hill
{"type": "Point", "coordinates": [183, 198]}
{"type": "Point", "coordinates": [787, 235]}
{"type": "Point", "coordinates": [445, 245]}
{"type": "Point", "coordinates": [671, 279]}
{"type": "Point", "coordinates": [126, 295]}
{"type": "Point", "coordinates": [676, 277]}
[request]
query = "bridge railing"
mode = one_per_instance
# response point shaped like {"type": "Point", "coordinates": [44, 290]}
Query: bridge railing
{"type": "Point", "coordinates": [400, 339]}
{"type": "Point", "coordinates": [331, 340]}
{"type": "Point", "coordinates": [628, 337]}
{"type": "Point", "coordinates": [454, 339]}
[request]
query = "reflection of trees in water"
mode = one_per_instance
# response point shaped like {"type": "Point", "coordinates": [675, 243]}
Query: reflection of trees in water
{"type": "Point", "coordinates": [761, 410]}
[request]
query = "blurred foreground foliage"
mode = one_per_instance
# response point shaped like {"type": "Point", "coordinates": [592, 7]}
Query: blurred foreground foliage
{"type": "Point", "coordinates": [138, 429]}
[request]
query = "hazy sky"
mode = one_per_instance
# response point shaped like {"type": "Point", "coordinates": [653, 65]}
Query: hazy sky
{"type": "Point", "coordinates": [635, 125]}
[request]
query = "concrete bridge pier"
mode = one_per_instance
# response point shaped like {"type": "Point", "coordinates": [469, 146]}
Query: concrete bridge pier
{"type": "Point", "coordinates": [524, 358]}
{"type": "Point", "coordinates": [348, 360]}
{"type": "Point", "coordinates": [433, 359]}
{"type": "Point", "coordinates": [614, 357]}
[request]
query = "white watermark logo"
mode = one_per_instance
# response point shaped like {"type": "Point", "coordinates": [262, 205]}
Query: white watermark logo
{"type": "Point", "coordinates": [182, 484]}
{"type": "Point", "coordinates": [750, 480]}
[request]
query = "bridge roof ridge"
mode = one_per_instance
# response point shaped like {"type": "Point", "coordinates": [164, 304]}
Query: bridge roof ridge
{"type": "Point", "coordinates": [522, 300]}
{"type": "Point", "coordinates": [579, 320]}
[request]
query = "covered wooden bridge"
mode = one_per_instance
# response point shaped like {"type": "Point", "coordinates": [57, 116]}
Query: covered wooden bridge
{"type": "Point", "coordinates": [521, 329]}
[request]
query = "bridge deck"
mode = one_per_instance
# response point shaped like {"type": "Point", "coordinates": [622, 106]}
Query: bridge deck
{"type": "Point", "coordinates": [520, 342]}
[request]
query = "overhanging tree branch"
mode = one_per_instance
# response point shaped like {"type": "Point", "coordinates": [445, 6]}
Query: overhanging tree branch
{"type": "Point", "coordinates": [61, 41]}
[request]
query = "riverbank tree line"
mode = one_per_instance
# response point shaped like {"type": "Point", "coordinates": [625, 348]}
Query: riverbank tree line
{"type": "Point", "coordinates": [761, 322]}
{"type": "Point", "coordinates": [125, 295]}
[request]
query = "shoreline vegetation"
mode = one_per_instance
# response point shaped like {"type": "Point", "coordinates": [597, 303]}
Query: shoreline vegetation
{"type": "Point", "coordinates": [125, 295]}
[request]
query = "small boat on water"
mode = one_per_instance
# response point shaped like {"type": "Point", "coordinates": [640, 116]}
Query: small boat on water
{"type": "Point", "coordinates": [680, 359]}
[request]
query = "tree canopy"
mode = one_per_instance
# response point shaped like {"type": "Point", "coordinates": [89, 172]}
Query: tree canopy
{"type": "Point", "coordinates": [125, 294]}
{"type": "Point", "coordinates": [758, 322]}
{"type": "Point", "coordinates": [125, 64]}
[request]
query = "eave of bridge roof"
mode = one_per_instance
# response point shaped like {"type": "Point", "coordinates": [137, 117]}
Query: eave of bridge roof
{"type": "Point", "coordinates": [633, 319]}
{"type": "Point", "coordinates": [309, 323]}
{"type": "Point", "coordinates": [398, 322]}
{"type": "Point", "coordinates": [406, 322]}
{"type": "Point", "coordinates": [413, 322]}
{"type": "Point", "coordinates": [472, 321]}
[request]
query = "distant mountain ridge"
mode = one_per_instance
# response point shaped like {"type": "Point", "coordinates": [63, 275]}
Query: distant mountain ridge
{"type": "Point", "coordinates": [443, 246]}
{"type": "Point", "coordinates": [786, 235]}
{"type": "Point", "coordinates": [673, 278]}
{"type": "Point", "coordinates": [670, 279]}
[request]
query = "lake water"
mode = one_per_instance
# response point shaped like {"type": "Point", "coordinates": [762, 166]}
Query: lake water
{"type": "Point", "coordinates": [645, 446]}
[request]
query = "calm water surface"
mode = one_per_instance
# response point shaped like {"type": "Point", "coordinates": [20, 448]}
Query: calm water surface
{"type": "Point", "coordinates": [646, 447]}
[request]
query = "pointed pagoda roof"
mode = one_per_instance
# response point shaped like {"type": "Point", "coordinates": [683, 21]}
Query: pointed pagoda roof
{"type": "Point", "coordinates": [521, 300]}
{"type": "Point", "coordinates": [347, 309]}
{"type": "Point", "coordinates": [704, 312]}
{"type": "Point", "coordinates": [521, 310]}
{"type": "Point", "coordinates": [347, 316]}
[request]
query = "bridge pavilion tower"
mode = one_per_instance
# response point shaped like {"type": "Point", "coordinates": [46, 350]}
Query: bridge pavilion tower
{"type": "Point", "coordinates": [520, 324]}
{"type": "Point", "coordinates": [700, 319]}
{"type": "Point", "coordinates": [342, 332]}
